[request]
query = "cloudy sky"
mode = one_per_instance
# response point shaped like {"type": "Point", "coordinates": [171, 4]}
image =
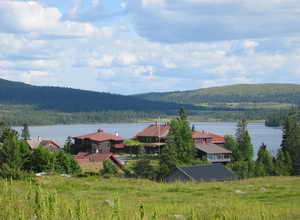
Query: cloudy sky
{"type": "Point", "coordinates": [134, 46]}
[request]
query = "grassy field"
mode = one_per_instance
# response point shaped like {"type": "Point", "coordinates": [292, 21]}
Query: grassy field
{"type": "Point", "coordinates": [94, 198]}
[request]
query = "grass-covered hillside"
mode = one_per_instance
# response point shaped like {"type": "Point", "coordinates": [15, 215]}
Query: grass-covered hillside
{"type": "Point", "coordinates": [244, 93]}
{"type": "Point", "coordinates": [93, 198]}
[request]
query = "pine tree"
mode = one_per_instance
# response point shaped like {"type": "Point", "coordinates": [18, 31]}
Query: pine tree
{"type": "Point", "coordinates": [291, 141]}
{"type": "Point", "coordinates": [231, 144]}
{"type": "Point", "coordinates": [283, 163]}
{"type": "Point", "coordinates": [181, 136]}
{"type": "Point", "coordinates": [25, 132]}
{"type": "Point", "coordinates": [68, 145]}
{"type": "Point", "coordinates": [245, 146]}
{"type": "Point", "coordinates": [11, 161]}
{"type": "Point", "coordinates": [180, 148]}
{"type": "Point", "coordinates": [265, 161]}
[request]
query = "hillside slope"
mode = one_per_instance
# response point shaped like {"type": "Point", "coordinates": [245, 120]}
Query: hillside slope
{"type": "Point", "coordinates": [260, 93]}
{"type": "Point", "coordinates": [75, 100]}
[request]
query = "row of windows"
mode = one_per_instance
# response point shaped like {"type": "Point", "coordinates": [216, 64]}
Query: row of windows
{"type": "Point", "coordinates": [218, 156]}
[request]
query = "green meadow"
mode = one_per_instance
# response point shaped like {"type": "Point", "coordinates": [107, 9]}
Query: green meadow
{"type": "Point", "coordinates": [52, 198]}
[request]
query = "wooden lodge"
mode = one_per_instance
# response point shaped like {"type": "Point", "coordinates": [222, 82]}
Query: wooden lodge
{"type": "Point", "coordinates": [98, 142]}
{"type": "Point", "coordinates": [153, 137]}
{"type": "Point", "coordinates": [208, 145]}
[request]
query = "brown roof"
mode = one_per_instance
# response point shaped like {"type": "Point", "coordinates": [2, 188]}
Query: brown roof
{"type": "Point", "coordinates": [155, 131]}
{"type": "Point", "coordinates": [100, 136]}
{"type": "Point", "coordinates": [50, 144]}
{"type": "Point", "coordinates": [85, 157]}
{"type": "Point", "coordinates": [33, 143]}
{"type": "Point", "coordinates": [211, 148]}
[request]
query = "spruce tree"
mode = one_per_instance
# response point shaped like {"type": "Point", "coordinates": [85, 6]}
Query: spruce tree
{"type": "Point", "coordinates": [11, 161]}
{"type": "Point", "coordinates": [265, 161]}
{"type": "Point", "coordinates": [68, 145]}
{"type": "Point", "coordinates": [25, 132]}
{"type": "Point", "coordinates": [291, 141]}
{"type": "Point", "coordinates": [231, 144]}
{"type": "Point", "coordinates": [283, 163]}
{"type": "Point", "coordinates": [245, 146]}
{"type": "Point", "coordinates": [180, 148]}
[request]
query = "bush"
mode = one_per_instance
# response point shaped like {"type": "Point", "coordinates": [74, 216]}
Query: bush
{"type": "Point", "coordinates": [7, 172]}
{"type": "Point", "coordinates": [109, 168]}
{"type": "Point", "coordinates": [144, 169]}
{"type": "Point", "coordinates": [42, 160]}
{"type": "Point", "coordinates": [65, 163]}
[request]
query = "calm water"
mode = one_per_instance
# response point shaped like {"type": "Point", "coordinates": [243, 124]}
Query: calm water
{"type": "Point", "coordinates": [258, 131]}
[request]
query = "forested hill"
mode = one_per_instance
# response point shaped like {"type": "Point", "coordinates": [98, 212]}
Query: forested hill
{"type": "Point", "coordinates": [275, 93]}
{"type": "Point", "coordinates": [75, 100]}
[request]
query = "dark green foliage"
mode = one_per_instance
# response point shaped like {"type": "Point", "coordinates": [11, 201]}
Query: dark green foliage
{"type": "Point", "coordinates": [25, 132]}
{"type": "Point", "coordinates": [167, 160]}
{"type": "Point", "coordinates": [231, 144]}
{"type": "Point", "coordinates": [14, 157]}
{"type": "Point", "coordinates": [65, 163]}
{"type": "Point", "coordinates": [109, 168]}
{"type": "Point", "coordinates": [264, 162]}
{"type": "Point", "coordinates": [244, 141]}
{"type": "Point", "coordinates": [144, 169]}
{"type": "Point", "coordinates": [283, 163]}
{"type": "Point", "coordinates": [68, 145]}
{"type": "Point", "coordinates": [180, 147]}
{"type": "Point", "coordinates": [76, 100]}
{"type": "Point", "coordinates": [42, 160]}
{"type": "Point", "coordinates": [244, 169]}
{"type": "Point", "coordinates": [11, 162]}
{"type": "Point", "coordinates": [255, 93]}
{"type": "Point", "coordinates": [291, 140]}
{"type": "Point", "coordinates": [277, 118]}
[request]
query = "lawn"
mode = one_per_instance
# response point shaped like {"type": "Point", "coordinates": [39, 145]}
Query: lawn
{"type": "Point", "coordinates": [117, 198]}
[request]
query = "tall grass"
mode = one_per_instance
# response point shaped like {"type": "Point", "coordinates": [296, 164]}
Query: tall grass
{"type": "Point", "coordinates": [54, 198]}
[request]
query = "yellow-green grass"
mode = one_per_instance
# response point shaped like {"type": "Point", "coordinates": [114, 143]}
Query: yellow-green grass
{"type": "Point", "coordinates": [91, 166]}
{"type": "Point", "coordinates": [117, 198]}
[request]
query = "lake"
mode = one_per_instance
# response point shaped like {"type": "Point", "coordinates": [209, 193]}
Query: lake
{"type": "Point", "coordinates": [259, 132]}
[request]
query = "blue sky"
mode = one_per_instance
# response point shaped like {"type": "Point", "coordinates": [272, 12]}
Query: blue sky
{"type": "Point", "coordinates": [136, 46]}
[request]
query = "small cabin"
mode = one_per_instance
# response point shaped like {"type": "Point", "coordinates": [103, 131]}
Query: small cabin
{"type": "Point", "coordinates": [213, 152]}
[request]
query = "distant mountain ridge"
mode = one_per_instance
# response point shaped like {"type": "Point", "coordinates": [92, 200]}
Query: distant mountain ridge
{"type": "Point", "coordinates": [76, 100]}
{"type": "Point", "coordinates": [275, 93]}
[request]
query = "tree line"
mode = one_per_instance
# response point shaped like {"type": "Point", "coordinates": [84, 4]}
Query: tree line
{"type": "Point", "coordinates": [18, 161]}
{"type": "Point", "coordinates": [180, 151]}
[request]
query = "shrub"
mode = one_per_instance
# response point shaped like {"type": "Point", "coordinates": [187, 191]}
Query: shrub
{"type": "Point", "coordinates": [109, 168]}
{"type": "Point", "coordinates": [42, 160]}
{"type": "Point", "coordinates": [144, 169]}
{"type": "Point", "coordinates": [65, 163]}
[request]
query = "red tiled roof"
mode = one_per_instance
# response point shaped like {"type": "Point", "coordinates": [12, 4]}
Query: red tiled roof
{"type": "Point", "coordinates": [217, 138]}
{"type": "Point", "coordinates": [155, 131]}
{"type": "Point", "coordinates": [203, 134]}
{"type": "Point", "coordinates": [100, 136]}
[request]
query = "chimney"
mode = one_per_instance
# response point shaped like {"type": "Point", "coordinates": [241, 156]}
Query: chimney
{"type": "Point", "coordinates": [39, 138]}
{"type": "Point", "coordinates": [99, 130]}
{"type": "Point", "coordinates": [116, 133]}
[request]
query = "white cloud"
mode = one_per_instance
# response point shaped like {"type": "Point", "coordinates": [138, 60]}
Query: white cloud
{"type": "Point", "coordinates": [202, 20]}
{"type": "Point", "coordinates": [32, 18]}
